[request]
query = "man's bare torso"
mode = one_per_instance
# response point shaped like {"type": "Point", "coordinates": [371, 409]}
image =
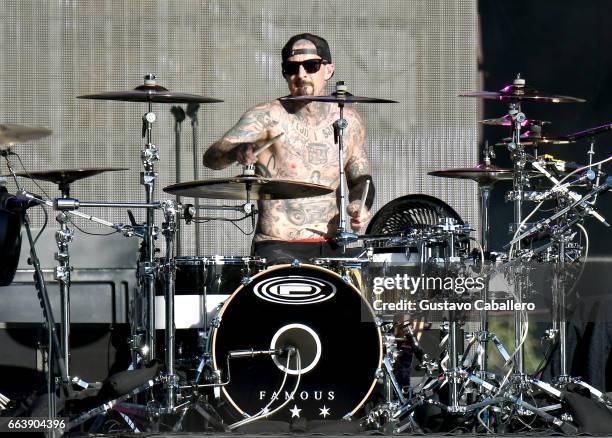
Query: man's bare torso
{"type": "Point", "coordinates": [306, 152]}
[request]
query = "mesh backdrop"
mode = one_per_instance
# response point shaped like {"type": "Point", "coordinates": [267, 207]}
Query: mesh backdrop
{"type": "Point", "coordinates": [417, 52]}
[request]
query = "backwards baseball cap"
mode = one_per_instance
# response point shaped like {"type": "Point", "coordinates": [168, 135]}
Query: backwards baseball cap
{"type": "Point", "coordinates": [322, 48]}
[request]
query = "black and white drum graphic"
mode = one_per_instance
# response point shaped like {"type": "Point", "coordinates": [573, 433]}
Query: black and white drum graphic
{"type": "Point", "coordinates": [315, 311]}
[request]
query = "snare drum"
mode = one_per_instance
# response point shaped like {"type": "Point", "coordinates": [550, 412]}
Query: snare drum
{"type": "Point", "coordinates": [325, 318]}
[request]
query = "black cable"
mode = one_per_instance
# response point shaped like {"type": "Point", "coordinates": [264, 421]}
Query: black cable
{"type": "Point", "coordinates": [30, 176]}
{"type": "Point", "coordinates": [44, 223]}
{"type": "Point", "coordinates": [87, 232]}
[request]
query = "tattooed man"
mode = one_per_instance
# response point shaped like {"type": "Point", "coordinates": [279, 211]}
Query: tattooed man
{"type": "Point", "coordinates": [300, 228]}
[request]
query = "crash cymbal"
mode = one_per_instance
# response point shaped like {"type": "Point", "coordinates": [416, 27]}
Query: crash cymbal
{"type": "Point", "coordinates": [519, 91]}
{"type": "Point", "coordinates": [507, 121]}
{"type": "Point", "coordinates": [482, 174]}
{"type": "Point", "coordinates": [236, 188]}
{"type": "Point", "coordinates": [150, 92]}
{"type": "Point", "coordinates": [68, 176]}
{"type": "Point", "coordinates": [336, 97]}
{"type": "Point", "coordinates": [11, 134]}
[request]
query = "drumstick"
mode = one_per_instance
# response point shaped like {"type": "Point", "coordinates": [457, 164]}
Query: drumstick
{"type": "Point", "coordinates": [267, 144]}
{"type": "Point", "coordinates": [364, 197]}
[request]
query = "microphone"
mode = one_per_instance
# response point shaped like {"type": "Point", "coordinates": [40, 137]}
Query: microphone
{"type": "Point", "coordinates": [13, 203]}
{"type": "Point", "coordinates": [252, 353]}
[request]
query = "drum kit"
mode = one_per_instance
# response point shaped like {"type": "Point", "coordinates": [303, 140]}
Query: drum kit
{"type": "Point", "coordinates": [306, 340]}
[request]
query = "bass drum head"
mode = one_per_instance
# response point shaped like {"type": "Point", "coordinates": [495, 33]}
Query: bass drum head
{"type": "Point", "coordinates": [326, 319]}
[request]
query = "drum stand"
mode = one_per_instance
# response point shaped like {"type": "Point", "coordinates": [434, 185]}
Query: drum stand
{"type": "Point", "coordinates": [142, 341]}
{"type": "Point", "coordinates": [519, 381]}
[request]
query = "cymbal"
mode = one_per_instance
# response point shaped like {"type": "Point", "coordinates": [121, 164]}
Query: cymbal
{"type": "Point", "coordinates": [68, 176]}
{"type": "Point", "coordinates": [150, 92]}
{"type": "Point", "coordinates": [519, 92]}
{"type": "Point", "coordinates": [507, 121]}
{"type": "Point", "coordinates": [529, 139]}
{"type": "Point", "coordinates": [336, 97]}
{"type": "Point", "coordinates": [11, 134]}
{"type": "Point", "coordinates": [236, 188]}
{"type": "Point", "coordinates": [482, 174]}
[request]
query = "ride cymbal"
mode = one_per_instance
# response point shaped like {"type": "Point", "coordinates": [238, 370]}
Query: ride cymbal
{"type": "Point", "coordinates": [11, 134]}
{"type": "Point", "coordinates": [257, 187]}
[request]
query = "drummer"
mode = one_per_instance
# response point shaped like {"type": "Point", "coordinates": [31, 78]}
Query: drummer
{"type": "Point", "coordinates": [300, 228]}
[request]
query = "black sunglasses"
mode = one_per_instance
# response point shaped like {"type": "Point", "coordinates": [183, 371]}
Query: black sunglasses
{"type": "Point", "coordinates": [310, 66]}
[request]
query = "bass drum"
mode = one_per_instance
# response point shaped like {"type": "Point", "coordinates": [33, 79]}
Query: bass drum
{"type": "Point", "coordinates": [324, 318]}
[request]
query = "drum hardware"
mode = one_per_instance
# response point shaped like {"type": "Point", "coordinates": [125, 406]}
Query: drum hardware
{"type": "Point", "coordinates": [515, 94]}
{"type": "Point", "coordinates": [179, 117]}
{"type": "Point", "coordinates": [63, 178]}
{"type": "Point", "coordinates": [192, 113]}
{"type": "Point", "coordinates": [149, 92]}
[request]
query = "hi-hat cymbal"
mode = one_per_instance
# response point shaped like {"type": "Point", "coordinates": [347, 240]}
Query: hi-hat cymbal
{"type": "Point", "coordinates": [519, 91]}
{"type": "Point", "coordinates": [11, 134]}
{"type": "Point", "coordinates": [482, 174]}
{"type": "Point", "coordinates": [64, 177]}
{"type": "Point", "coordinates": [336, 97]}
{"type": "Point", "coordinates": [236, 188]}
{"type": "Point", "coordinates": [150, 92]}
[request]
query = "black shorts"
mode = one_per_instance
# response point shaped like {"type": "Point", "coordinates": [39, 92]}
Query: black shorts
{"type": "Point", "coordinates": [279, 252]}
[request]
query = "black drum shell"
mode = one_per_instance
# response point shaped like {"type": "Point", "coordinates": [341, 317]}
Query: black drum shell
{"type": "Point", "coordinates": [351, 348]}
{"type": "Point", "coordinates": [10, 244]}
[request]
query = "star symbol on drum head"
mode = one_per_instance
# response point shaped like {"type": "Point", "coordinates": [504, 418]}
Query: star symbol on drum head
{"type": "Point", "coordinates": [295, 412]}
{"type": "Point", "coordinates": [324, 411]}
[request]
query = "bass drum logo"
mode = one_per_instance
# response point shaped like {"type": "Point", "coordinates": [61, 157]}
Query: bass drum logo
{"type": "Point", "coordinates": [295, 290]}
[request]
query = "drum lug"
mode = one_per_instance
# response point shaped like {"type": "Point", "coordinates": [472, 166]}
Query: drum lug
{"type": "Point", "coordinates": [379, 373]}
{"type": "Point", "coordinates": [215, 322]}
{"type": "Point", "coordinates": [346, 279]}
{"type": "Point", "coordinates": [378, 321]}
{"type": "Point", "coordinates": [246, 279]}
{"type": "Point", "coordinates": [347, 417]}
{"type": "Point", "coordinates": [296, 263]}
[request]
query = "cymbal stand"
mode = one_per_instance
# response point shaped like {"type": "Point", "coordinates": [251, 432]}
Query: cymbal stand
{"type": "Point", "coordinates": [45, 303]}
{"type": "Point", "coordinates": [169, 227]}
{"type": "Point", "coordinates": [63, 237]}
{"type": "Point", "coordinates": [179, 116]}
{"type": "Point", "coordinates": [519, 182]}
{"type": "Point", "coordinates": [192, 113]}
{"type": "Point", "coordinates": [145, 317]}
{"type": "Point", "coordinates": [343, 236]}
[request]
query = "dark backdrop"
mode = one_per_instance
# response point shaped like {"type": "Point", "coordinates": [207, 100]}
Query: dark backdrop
{"type": "Point", "coordinates": [561, 47]}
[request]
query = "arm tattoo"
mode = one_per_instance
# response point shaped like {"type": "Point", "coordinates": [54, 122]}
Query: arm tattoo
{"type": "Point", "coordinates": [358, 170]}
{"type": "Point", "coordinates": [251, 127]}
